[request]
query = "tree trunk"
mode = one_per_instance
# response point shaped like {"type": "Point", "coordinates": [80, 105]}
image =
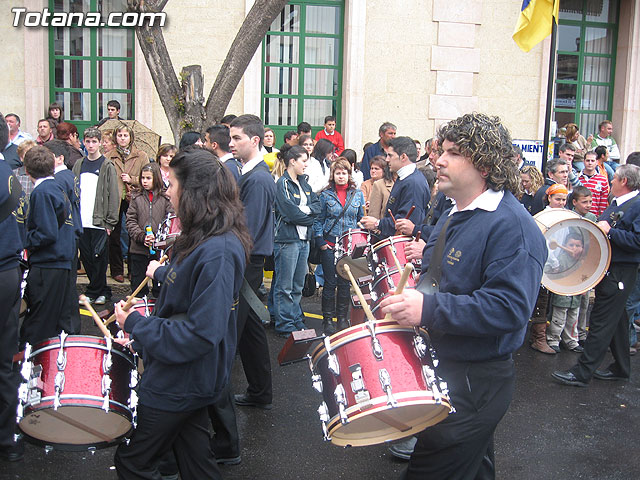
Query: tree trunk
{"type": "Point", "coordinates": [183, 102]}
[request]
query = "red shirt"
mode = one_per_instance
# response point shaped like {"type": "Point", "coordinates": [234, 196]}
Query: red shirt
{"type": "Point", "coordinates": [335, 138]}
{"type": "Point", "coordinates": [598, 185]}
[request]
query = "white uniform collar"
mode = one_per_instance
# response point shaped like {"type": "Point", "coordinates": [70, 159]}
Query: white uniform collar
{"type": "Point", "coordinates": [487, 200]}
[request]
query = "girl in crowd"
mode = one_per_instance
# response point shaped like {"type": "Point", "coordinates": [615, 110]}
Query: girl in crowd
{"type": "Point", "coordinates": [166, 152]}
{"type": "Point", "coordinates": [341, 207]}
{"type": "Point", "coordinates": [189, 343]}
{"type": "Point", "coordinates": [320, 163]}
{"type": "Point", "coordinates": [376, 169]}
{"type": "Point", "coordinates": [149, 207]}
{"type": "Point", "coordinates": [296, 206]}
{"type": "Point", "coordinates": [356, 174]}
{"type": "Point", "coordinates": [380, 193]}
{"type": "Point", "coordinates": [556, 196]}
{"type": "Point", "coordinates": [55, 115]}
{"type": "Point", "coordinates": [128, 161]}
{"type": "Point", "coordinates": [531, 180]}
{"type": "Point", "coordinates": [306, 142]}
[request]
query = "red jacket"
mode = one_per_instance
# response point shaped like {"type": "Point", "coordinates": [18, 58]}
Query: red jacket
{"type": "Point", "coordinates": [336, 139]}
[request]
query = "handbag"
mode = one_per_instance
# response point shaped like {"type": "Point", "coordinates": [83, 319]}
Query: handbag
{"type": "Point", "coordinates": [309, 287]}
{"type": "Point", "coordinates": [315, 253]}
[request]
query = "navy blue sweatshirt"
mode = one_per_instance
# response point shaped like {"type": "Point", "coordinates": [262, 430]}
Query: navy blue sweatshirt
{"type": "Point", "coordinates": [51, 240]}
{"type": "Point", "coordinates": [491, 271]}
{"type": "Point", "coordinates": [187, 362]}
{"type": "Point", "coordinates": [71, 186]}
{"type": "Point", "coordinates": [411, 191]}
{"type": "Point", "coordinates": [288, 213]}
{"type": "Point", "coordinates": [12, 228]}
{"type": "Point", "coordinates": [625, 236]}
{"type": "Point", "coordinates": [257, 192]}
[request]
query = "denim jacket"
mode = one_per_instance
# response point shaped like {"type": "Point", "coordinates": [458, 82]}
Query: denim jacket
{"type": "Point", "coordinates": [287, 210]}
{"type": "Point", "coordinates": [331, 208]}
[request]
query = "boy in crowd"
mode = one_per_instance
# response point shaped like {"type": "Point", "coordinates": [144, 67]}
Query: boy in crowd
{"type": "Point", "coordinates": [70, 323]}
{"type": "Point", "coordinates": [50, 245]}
{"type": "Point", "coordinates": [597, 184]}
{"type": "Point", "coordinates": [330, 133]}
{"type": "Point", "coordinates": [99, 211]}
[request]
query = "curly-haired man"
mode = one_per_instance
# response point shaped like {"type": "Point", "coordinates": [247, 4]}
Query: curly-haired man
{"type": "Point", "coordinates": [491, 258]}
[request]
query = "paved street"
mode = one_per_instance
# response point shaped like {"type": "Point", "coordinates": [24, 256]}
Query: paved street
{"type": "Point", "coordinates": [550, 432]}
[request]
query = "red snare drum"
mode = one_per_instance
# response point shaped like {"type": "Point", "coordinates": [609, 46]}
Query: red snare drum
{"type": "Point", "coordinates": [390, 252]}
{"type": "Point", "coordinates": [353, 246]}
{"type": "Point", "coordinates": [143, 306]}
{"type": "Point", "coordinates": [77, 393]}
{"type": "Point", "coordinates": [377, 387]}
{"type": "Point", "coordinates": [387, 280]}
{"type": "Point", "coordinates": [168, 231]}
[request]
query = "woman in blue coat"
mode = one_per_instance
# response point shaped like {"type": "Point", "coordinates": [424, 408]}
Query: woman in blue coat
{"type": "Point", "coordinates": [296, 206]}
{"type": "Point", "coordinates": [339, 195]}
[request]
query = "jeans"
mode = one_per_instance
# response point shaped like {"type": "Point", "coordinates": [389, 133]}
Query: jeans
{"type": "Point", "coordinates": [331, 281]}
{"type": "Point", "coordinates": [291, 267]}
{"type": "Point", "coordinates": [632, 307]}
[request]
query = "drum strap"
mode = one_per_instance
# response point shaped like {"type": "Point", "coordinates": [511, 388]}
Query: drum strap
{"type": "Point", "coordinates": [254, 302]}
{"type": "Point", "coordinates": [430, 280]}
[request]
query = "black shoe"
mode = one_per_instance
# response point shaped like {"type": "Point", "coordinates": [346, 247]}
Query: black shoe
{"type": "Point", "coordinates": [229, 460]}
{"type": "Point", "coordinates": [608, 375]}
{"type": "Point", "coordinates": [242, 400]}
{"type": "Point", "coordinates": [577, 349]}
{"type": "Point", "coordinates": [555, 348]}
{"type": "Point", "coordinates": [568, 378]}
{"type": "Point", "coordinates": [404, 448]}
{"type": "Point", "coordinates": [14, 453]}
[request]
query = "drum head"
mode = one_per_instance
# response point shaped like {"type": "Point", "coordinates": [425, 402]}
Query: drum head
{"type": "Point", "coordinates": [579, 252]}
{"type": "Point", "coordinates": [359, 267]}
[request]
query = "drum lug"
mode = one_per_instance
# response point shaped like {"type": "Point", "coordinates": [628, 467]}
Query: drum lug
{"type": "Point", "coordinates": [61, 361]}
{"type": "Point", "coordinates": [385, 382]}
{"type": "Point", "coordinates": [30, 389]}
{"type": "Point", "coordinates": [59, 386]}
{"type": "Point", "coordinates": [133, 405]}
{"type": "Point", "coordinates": [375, 343]}
{"type": "Point", "coordinates": [106, 390]}
{"type": "Point", "coordinates": [420, 346]}
{"type": "Point", "coordinates": [92, 450]}
{"type": "Point", "coordinates": [107, 360]}
{"type": "Point", "coordinates": [432, 382]}
{"type": "Point", "coordinates": [323, 411]}
{"type": "Point", "coordinates": [332, 361]}
{"type": "Point", "coordinates": [357, 384]}
{"type": "Point", "coordinates": [315, 378]}
{"type": "Point", "coordinates": [341, 399]}
{"type": "Point", "coordinates": [48, 449]}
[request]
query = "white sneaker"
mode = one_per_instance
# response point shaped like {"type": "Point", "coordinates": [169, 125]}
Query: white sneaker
{"type": "Point", "coordinates": [101, 300]}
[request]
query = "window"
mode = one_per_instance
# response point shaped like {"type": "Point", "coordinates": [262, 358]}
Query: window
{"type": "Point", "coordinates": [90, 66]}
{"type": "Point", "coordinates": [587, 37]}
{"type": "Point", "coordinates": [302, 65]}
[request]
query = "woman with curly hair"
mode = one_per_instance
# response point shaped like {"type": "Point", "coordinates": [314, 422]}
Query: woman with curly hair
{"type": "Point", "coordinates": [531, 180]}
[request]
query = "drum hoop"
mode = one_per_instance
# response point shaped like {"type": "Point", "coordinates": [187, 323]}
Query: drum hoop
{"type": "Point", "coordinates": [96, 346]}
{"type": "Point", "coordinates": [390, 241]}
{"type": "Point", "coordinates": [318, 353]}
{"type": "Point", "coordinates": [77, 397]}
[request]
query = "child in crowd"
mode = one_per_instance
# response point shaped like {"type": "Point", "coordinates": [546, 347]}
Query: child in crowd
{"type": "Point", "coordinates": [99, 208]}
{"type": "Point", "coordinates": [166, 152]}
{"type": "Point", "coordinates": [556, 196]}
{"type": "Point", "coordinates": [148, 208]}
{"type": "Point", "coordinates": [50, 244]}
{"type": "Point", "coordinates": [565, 308]}
{"type": "Point", "coordinates": [581, 199]}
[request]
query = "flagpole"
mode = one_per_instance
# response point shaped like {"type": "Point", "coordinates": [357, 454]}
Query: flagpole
{"type": "Point", "coordinates": [550, 85]}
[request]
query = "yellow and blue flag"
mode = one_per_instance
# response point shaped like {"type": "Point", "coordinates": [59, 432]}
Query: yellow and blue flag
{"type": "Point", "coordinates": [535, 21]}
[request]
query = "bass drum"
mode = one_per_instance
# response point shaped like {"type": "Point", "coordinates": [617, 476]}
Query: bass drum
{"type": "Point", "coordinates": [579, 251]}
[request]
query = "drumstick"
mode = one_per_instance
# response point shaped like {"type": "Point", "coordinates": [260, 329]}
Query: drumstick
{"type": "Point", "coordinates": [418, 236]}
{"type": "Point", "coordinates": [131, 298]}
{"type": "Point", "coordinates": [403, 281]}
{"type": "Point", "coordinates": [553, 245]}
{"type": "Point", "coordinates": [363, 302]}
{"type": "Point", "coordinates": [391, 215]}
{"type": "Point", "coordinates": [95, 316]}
{"type": "Point", "coordinates": [413, 207]}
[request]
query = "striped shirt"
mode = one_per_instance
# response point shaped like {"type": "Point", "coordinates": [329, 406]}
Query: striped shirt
{"type": "Point", "coordinates": [598, 185]}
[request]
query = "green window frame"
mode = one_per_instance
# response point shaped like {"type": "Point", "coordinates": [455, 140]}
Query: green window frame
{"type": "Point", "coordinates": [587, 43]}
{"type": "Point", "coordinates": [84, 65]}
{"type": "Point", "coordinates": [302, 67]}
